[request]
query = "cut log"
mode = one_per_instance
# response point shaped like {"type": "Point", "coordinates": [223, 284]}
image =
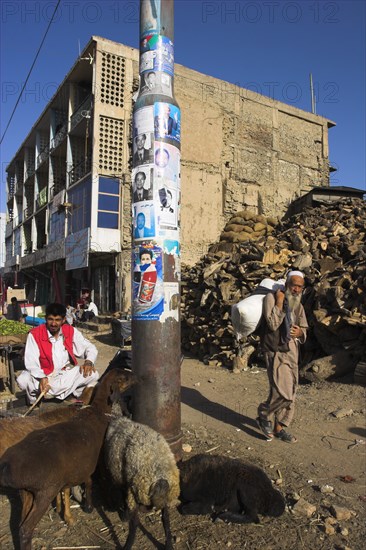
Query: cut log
{"type": "Point", "coordinates": [360, 373]}
{"type": "Point", "coordinates": [330, 367]}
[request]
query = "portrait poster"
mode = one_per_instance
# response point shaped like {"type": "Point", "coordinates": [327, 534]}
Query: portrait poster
{"type": "Point", "coordinates": [143, 220]}
{"type": "Point", "coordinates": [167, 207]}
{"type": "Point", "coordinates": [166, 121]}
{"type": "Point", "coordinates": [148, 288]}
{"type": "Point", "coordinates": [143, 149]}
{"type": "Point", "coordinates": [167, 164]}
{"type": "Point", "coordinates": [153, 82]}
{"type": "Point", "coordinates": [142, 181]}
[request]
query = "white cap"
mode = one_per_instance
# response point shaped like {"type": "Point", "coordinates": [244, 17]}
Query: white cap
{"type": "Point", "coordinates": [294, 274]}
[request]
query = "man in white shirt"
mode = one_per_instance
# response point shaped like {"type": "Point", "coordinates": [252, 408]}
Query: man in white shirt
{"type": "Point", "coordinates": [90, 311]}
{"type": "Point", "coordinates": [50, 359]}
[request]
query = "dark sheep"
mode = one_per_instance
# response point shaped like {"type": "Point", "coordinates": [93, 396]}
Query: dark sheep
{"type": "Point", "coordinates": [234, 490]}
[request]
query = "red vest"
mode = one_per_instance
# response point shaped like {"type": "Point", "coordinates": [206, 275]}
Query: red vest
{"type": "Point", "coordinates": [40, 335]}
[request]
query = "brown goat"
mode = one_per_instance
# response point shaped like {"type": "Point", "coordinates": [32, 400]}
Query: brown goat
{"type": "Point", "coordinates": [60, 456]}
{"type": "Point", "coordinates": [13, 430]}
{"type": "Point", "coordinates": [231, 488]}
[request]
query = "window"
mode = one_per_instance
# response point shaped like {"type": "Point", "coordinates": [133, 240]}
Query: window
{"type": "Point", "coordinates": [107, 220]}
{"type": "Point", "coordinates": [17, 242]}
{"type": "Point", "coordinates": [80, 212]}
{"type": "Point", "coordinates": [108, 203]}
{"type": "Point", "coordinates": [57, 227]}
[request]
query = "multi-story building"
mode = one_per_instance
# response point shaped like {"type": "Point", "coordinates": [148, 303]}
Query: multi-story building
{"type": "Point", "coordinates": [68, 187]}
{"type": "Point", "coordinates": [2, 241]}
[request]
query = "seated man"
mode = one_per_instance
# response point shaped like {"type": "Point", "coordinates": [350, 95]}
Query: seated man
{"type": "Point", "coordinates": [90, 311]}
{"type": "Point", "coordinates": [14, 311]}
{"type": "Point", "coordinates": [50, 359]}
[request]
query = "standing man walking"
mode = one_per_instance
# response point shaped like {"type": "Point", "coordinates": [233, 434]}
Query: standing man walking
{"type": "Point", "coordinates": [284, 330]}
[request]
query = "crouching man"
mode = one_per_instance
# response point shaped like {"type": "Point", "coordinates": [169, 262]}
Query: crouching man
{"type": "Point", "coordinates": [50, 359]}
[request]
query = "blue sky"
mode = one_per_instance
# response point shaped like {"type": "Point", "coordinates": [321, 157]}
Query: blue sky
{"type": "Point", "coordinates": [268, 46]}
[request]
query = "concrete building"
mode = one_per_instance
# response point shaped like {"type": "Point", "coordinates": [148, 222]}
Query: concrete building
{"type": "Point", "coordinates": [68, 187]}
{"type": "Point", "coordinates": [2, 240]}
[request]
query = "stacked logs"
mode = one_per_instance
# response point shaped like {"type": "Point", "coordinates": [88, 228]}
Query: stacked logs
{"type": "Point", "coordinates": [327, 243]}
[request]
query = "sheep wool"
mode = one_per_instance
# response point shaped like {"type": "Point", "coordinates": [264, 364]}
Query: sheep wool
{"type": "Point", "coordinates": [140, 460]}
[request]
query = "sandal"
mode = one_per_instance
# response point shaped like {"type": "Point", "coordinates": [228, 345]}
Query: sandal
{"type": "Point", "coordinates": [285, 436]}
{"type": "Point", "coordinates": [265, 427]}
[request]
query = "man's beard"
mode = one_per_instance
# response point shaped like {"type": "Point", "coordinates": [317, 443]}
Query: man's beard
{"type": "Point", "coordinates": [293, 300]}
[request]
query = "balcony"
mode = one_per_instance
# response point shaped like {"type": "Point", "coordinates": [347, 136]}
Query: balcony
{"type": "Point", "coordinates": [29, 249]}
{"type": "Point", "coordinates": [18, 220]}
{"type": "Point", "coordinates": [59, 137]}
{"type": "Point", "coordinates": [29, 173]}
{"type": "Point", "coordinates": [83, 111]}
{"type": "Point", "coordinates": [79, 170]}
{"type": "Point", "coordinates": [19, 188]}
{"type": "Point", "coordinates": [43, 155]}
{"type": "Point", "coordinates": [28, 211]}
{"type": "Point", "coordinates": [9, 228]}
{"type": "Point", "coordinates": [41, 199]}
{"type": "Point", "coordinates": [54, 190]}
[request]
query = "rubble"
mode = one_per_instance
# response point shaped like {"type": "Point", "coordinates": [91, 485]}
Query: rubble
{"type": "Point", "coordinates": [340, 513]}
{"type": "Point", "coordinates": [327, 243]}
{"type": "Point", "coordinates": [303, 508]}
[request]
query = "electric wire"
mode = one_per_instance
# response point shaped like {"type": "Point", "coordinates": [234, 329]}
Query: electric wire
{"type": "Point", "coordinates": [30, 71]}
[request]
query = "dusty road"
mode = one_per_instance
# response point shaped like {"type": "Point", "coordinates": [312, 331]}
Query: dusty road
{"type": "Point", "coordinates": [218, 412]}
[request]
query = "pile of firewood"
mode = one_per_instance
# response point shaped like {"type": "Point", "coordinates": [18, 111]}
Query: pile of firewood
{"type": "Point", "coordinates": [327, 243]}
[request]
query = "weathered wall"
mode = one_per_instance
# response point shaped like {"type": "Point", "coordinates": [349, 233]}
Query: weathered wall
{"type": "Point", "coordinates": [240, 149]}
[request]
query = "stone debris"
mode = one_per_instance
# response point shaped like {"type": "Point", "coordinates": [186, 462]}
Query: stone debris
{"type": "Point", "coordinates": [341, 413]}
{"type": "Point", "coordinates": [326, 489]}
{"type": "Point", "coordinates": [329, 524]}
{"type": "Point", "coordinates": [303, 508]}
{"type": "Point", "coordinates": [327, 243]}
{"type": "Point", "coordinates": [340, 513]}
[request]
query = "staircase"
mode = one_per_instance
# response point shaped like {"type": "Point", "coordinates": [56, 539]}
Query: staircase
{"type": "Point", "coordinates": [100, 324]}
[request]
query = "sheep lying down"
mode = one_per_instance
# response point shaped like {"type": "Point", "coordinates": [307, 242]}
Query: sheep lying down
{"type": "Point", "coordinates": [230, 488]}
{"type": "Point", "coordinates": [141, 463]}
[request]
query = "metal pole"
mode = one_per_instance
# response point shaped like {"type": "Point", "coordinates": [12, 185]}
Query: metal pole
{"type": "Point", "coordinates": [312, 94]}
{"type": "Point", "coordinates": [156, 220]}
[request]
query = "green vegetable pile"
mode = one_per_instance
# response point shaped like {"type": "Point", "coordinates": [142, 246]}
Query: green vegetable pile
{"type": "Point", "coordinates": [13, 327]}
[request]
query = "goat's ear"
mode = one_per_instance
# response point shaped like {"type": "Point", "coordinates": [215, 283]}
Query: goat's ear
{"type": "Point", "coordinates": [115, 393]}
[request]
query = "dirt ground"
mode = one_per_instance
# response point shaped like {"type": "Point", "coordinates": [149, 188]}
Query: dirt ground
{"type": "Point", "coordinates": [218, 417]}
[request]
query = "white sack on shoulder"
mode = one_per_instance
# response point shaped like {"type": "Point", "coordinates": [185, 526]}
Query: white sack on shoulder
{"type": "Point", "coordinates": [246, 314]}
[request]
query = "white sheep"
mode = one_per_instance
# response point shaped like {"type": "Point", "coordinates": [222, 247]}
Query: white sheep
{"type": "Point", "coordinates": [141, 463]}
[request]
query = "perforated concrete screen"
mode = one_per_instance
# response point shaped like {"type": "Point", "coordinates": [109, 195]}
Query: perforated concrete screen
{"type": "Point", "coordinates": [112, 82]}
{"type": "Point", "coordinates": [110, 145]}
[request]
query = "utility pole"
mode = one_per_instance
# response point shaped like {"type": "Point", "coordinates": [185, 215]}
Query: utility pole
{"type": "Point", "coordinates": [156, 199]}
{"type": "Point", "coordinates": [312, 95]}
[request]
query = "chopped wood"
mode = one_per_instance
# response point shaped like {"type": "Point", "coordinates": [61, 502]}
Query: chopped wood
{"type": "Point", "coordinates": [327, 243]}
